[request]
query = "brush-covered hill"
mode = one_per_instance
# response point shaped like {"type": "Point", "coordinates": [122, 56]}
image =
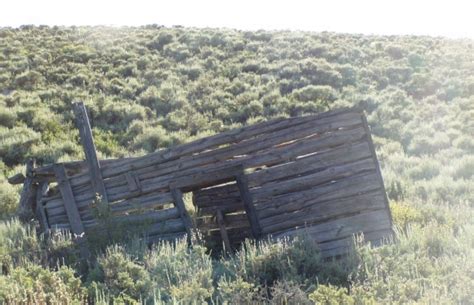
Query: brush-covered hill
{"type": "Point", "coordinates": [151, 87]}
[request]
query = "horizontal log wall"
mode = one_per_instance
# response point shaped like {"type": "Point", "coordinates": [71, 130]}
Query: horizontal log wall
{"type": "Point", "coordinates": [300, 172]}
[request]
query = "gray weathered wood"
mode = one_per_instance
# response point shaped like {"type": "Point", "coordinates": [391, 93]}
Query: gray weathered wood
{"type": "Point", "coordinates": [16, 179]}
{"type": "Point", "coordinates": [232, 136]}
{"type": "Point", "coordinates": [240, 148]}
{"type": "Point", "coordinates": [74, 218]}
{"type": "Point", "coordinates": [132, 181]}
{"type": "Point", "coordinates": [343, 227]}
{"type": "Point", "coordinates": [179, 202]}
{"type": "Point", "coordinates": [40, 212]}
{"type": "Point", "coordinates": [376, 162]}
{"type": "Point", "coordinates": [28, 194]}
{"type": "Point", "coordinates": [248, 204]}
{"type": "Point", "coordinates": [87, 140]}
{"type": "Point", "coordinates": [267, 157]}
{"type": "Point", "coordinates": [322, 212]}
{"type": "Point", "coordinates": [225, 237]}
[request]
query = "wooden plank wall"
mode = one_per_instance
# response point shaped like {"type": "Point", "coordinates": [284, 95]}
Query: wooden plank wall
{"type": "Point", "coordinates": [301, 173]}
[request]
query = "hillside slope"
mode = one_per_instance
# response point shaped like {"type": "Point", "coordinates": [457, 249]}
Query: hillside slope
{"type": "Point", "coordinates": [151, 87]}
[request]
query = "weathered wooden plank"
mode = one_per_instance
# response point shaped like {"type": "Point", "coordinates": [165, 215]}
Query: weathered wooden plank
{"type": "Point", "coordinates": [222, 229]}
{"type": "Point", "coordinates": [75, 222]}
{"type": "Point", "coordinates": [132, 181]}
{"type": "Point", "coordinates": [87, 140]}
{"type": "Point", "coordinates": [319, 161]}
{"type": "Point", "coordinates": [16, 179]}
{"type": "Point", "coordinates": [269, 157]}
{"type": "Point", "coordinates": [166, 227]}
{"type": "Point", "coordinates": [323, 211]}
{"type": "Point", "coordinates": [207, 178]}
{"type": "Point", "coordinates": [232, 136]}
{"type": "Point", "coordinates": [356, 184]}
{"type": "Point", "coordinates": [248, 204]}
{"type": "Point", "coordinates": [40, 212]}
{"type": "Point", "coordinates": [148, 201]}
{"type": "Point", "coordinates": [243, 147]}
{"type": "Point", "coordinates": [179, 203]}
{"type": "Point", "coordinates": [310, 181]}
{"type": "Point", "coordinates": [343, 227]}
{"type": "Point", "coordinates": [28, 194]}
{"type": "Point", "coordinates": [345, 245]}
{"type": "Point", "coordinates": [57, 212]}
{"type": "Point", "coordinates": [376, 162]}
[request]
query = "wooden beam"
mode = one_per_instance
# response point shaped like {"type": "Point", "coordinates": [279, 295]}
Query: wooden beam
{"type": "Point", "coordinates": [224, 235]}
{"type": "Point", "coordinates": [377, 166]}
{"type": "Point", "coordinates": [28, 194]}
{"type": "Point", "coordinates": [85, 133]}
{"type": "Point", "coordinates": [248, 204]}
{"type": "Point", "coordinates": [17, 179]}
{"type": "Point", "coordinates": [179, 203]}
{"type": "Point", "coordinates": [40, 212]}
{"type": "Point", "coordinates": [72, 212]}
{"type": "Point", "coordinates": [133, 182]}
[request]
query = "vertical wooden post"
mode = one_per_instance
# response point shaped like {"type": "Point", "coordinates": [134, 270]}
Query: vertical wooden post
{"type": "Point", "coordinates": [40, 212]}
{"type": "Point", "coordinates": [248, 204]}
{"type": "Point", "coordinates": [85, 133]}
{"type": "Point", "coordinates": [28, 194]}
{"type": "Point", "coordinates": [77, 228]}
{"type": "Point", "coordinates": [179, 203]}
{"type": "Point", "coordinates": [377, 166]}
{"type": "Point", "coordinates": [224, 235]}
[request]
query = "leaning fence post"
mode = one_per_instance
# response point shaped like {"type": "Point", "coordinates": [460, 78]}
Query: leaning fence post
{"type": "Point", "coordinates": [28, 194]}
{"type": "Point", "coordinates": [87, 140]}
{"type": "Point", "coordinates": [72, 212]}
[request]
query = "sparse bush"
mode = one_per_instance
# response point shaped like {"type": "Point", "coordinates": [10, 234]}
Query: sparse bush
{"type": "Point", "coordinates": [33, 284]}
{"type": "Point", "coordinates": [181, 273]}
{"type": "Point", "coordinates": [9, 198]}
{"type": "Point", "coordinates": [7, 117]}
{"type": "Point", "coordinates": [122, 275]}
{"type": "Point", "coordinates": [331, 295]}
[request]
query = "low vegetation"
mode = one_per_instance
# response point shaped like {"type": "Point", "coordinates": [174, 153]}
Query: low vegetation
{"type": "Point", "coordinates": [152, 87]}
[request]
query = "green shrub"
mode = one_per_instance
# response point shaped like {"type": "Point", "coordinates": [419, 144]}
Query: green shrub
{"type": "Point", "coordinates": [122, 275]}
{"type": "Point", "coordinates": [181, 273]}
{"type": "Point", "coordinates": [331, 295]}
{"type": "Point", "coordinates": [16, 143]}
{"type": "Point", "coordinates": [238, 291]}
{"type": "Point", "coordinates": [404, 214]}
{"type": "Point", "coordinates": [8, 199]}
{"type": "Point", "coordinates": [425, 168]}
{"type": "Point", "coordinates": [464, 168]}
{"type": "Point", "coordinates": [8, 117]}
{"type": "Point", "coordinates": [35, 285]}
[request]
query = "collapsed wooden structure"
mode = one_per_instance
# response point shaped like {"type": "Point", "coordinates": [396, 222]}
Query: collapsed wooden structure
{"type": "Point", "coordinates": [315, 175]}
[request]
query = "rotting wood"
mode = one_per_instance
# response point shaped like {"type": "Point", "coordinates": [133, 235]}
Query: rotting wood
{"type": "Point", "coordinates": [133, 182]}
{"type": "Point", "coordinates": [85, 133]}
{"type": "Point", "coordinates": [28, 194]}
{"type": "Point", "coordinates": [248, 204]}
{"type": "Point", "coordinates": [16, 179]}
{"type": "Point", "coordinates": [318, 173]}
{"type": "Point", "coordinates": [374, 157]}
{"type": "Point", "coordinates": [179, 202]}
{"type": "Point", "coordinates": [74, 218]}
{"type": "Point", "coordinates": [225, 237]}
{"type": "Point", "coordinates": [40, 212]}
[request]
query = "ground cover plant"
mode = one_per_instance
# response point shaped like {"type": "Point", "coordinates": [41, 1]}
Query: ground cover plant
{"type": "Point", "coordinates": [151, 87]}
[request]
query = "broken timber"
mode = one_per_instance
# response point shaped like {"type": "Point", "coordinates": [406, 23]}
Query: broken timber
{"type": "Point", "coordinates": [315, 175]}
